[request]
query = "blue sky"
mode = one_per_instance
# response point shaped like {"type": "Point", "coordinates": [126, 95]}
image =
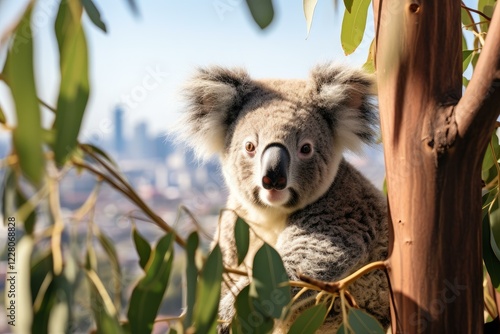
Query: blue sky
{"type": "Point", "coordinates": [143, 61]}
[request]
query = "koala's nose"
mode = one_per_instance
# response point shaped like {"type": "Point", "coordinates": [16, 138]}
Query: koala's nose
{"type": "Point", "coordinates": [275, 163]}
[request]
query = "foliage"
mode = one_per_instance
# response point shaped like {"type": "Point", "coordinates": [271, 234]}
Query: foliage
{"type": "Point", "coordinates": [55, 267]}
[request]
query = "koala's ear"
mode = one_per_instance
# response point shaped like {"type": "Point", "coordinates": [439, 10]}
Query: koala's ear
{"type": "Point", "coordinates": [344, 96]}
{"type": "Point", "coordinates": [214, 98]}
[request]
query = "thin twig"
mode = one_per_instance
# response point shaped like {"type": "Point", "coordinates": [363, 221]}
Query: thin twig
{"type": "Point", "coordinates": [333, 287]}
{"type": "Point", "coordinates": [46, 105]}
{"type": "Point", "coordinates": [475, 11]}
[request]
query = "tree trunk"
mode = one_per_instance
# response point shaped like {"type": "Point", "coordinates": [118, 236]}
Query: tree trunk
{"type": "Point", "coordinates": [434, 142]}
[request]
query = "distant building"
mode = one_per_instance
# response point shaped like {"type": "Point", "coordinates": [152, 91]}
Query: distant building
{"type": "Point", "coordinates": [119, 139]}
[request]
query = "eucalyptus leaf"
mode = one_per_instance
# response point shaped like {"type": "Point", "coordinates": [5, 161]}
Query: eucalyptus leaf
{"type": "Point", "coordinates": [249, 317]}
{"type": "Point", "coordinates": [27, 136]}
{"type": "Point", "coordinates": [109, 248]}
{"type": "Point", "coordinates": [148, 293]}
{"type": "Point", "coordinates": [494, 212]}
{"type": "Point", "coordinates": [22, 201]}
{"type": "Point", "coordinates": [208, 293]}
{"type": "Point", "coordinates": [13, 198]}
{"type": "Point", "coordinates": [9, 194]}
{"type": "Point", "coordinates": [3, 119]}
{"type": "Point", "coordinates": [369, 65]}
{"type": "Point", "coordinates": [262, 12]}
{"type": "Point", "coordinates": [242, 238]}
{"type": "Point", "coordinates": [467, 57]}
{"type": "Point", "coordinates": [142, 247]}
{"type": "Point", "coordinates": [353, 26]}
{"type": "Point", "coordinates": [465, 81]}
{"type": "Point", "coordinates": [94, 14]}
{"type": "Point", "coordinates": [74, 88]}
{"type": "Point", "coordinates": [466, 19]}
{"type": "Point", "coordinates": [362, 322]}
{"type": "Point", "coordinates": [270, 281]}
{"type": "Point", "coordinates": [106, 319]}
{"type": "Point", "coordinates": [191, 276]}
{"type": "Point", "coordinates": [96, 150]}
{"type": "Point", "coordinates": [492, 153]}
{"type": "Point", "coordinates": [310, 320]}
{"type": "Point", "coordinates": [475, 58]}
{"type": "Point", "coordinates": [486, 7]}
{"type": "Point", "coordinates": [348, 5]}
{"type": "Point", "coordinates": [490, 260]}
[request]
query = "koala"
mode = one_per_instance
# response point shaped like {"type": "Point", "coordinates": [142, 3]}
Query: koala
{"type": "Point", "coordinates": [280, 145]}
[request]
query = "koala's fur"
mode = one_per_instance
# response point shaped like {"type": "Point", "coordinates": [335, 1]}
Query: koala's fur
{"type": "Point", "coordinates": [329, 220]}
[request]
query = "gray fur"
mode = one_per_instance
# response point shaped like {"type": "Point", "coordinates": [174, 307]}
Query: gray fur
{"type": "Point", "coordinates": [329, 221]}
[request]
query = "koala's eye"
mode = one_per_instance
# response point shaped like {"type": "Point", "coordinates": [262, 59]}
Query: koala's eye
{"type": "Point", "coordinates": [250, 147]}
{"type": "Point", "coordinates": [306, 149]}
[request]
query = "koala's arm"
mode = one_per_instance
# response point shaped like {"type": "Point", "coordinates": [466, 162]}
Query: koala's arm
{"type": "Point", "coordinates": [322, 249]}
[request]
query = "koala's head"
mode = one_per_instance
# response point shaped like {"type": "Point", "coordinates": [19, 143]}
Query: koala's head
{"type": "Point", "coordinates": [280, 141]}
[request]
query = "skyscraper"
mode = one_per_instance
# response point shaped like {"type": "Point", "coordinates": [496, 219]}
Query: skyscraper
{"type": "Point", "coordinates": [119, 141]}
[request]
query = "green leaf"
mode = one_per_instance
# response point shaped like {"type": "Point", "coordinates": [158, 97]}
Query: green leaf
{"type": "Point", "coordinates": [353, 26]}
{"type": "Point", "coordinates": [96, 150]}
{"type": "Point", "coordinates": [105, 316]}
{"type": "Point", "coordinates": [341, 329]}
{"type": "Point", "coordinates": [249, 318]}
{"type": "Point", "coordinates": [494, 212]}
{"type": "Point", "coordinates": [464, 43]}
{"type": "Point", "coordinates": [475, 58]}
{"type": "Point", "coordinates": [369, 65]}
{"type": "Point", "coordinates": [262, 12]}
{"type": "Point", "coordinates": [3, 120]}
{"type": "Point", "coordinates": [362, 322]}
{"type": "Point", "coordinates": [490, 260]}
{"type": "Point", "coordinates": [270, 281]}
{"type": "Point", "coordinates": [13, 198]}
{"type": "Point", "coordinates": [94, 14]}
{"type": "Point", "coordinates": [191, 276]}
{"type": "Point", "coordinates": [348, 5]}
{"type": "Point", "coordinates": [486, 7]}
{"type": "Point", "coordinates": [208, 293]}
{"type": "Point", "coordinates": [110, 250]}
{"type": "Point", "coordinates": [242, 238]}
{"type": "Point", "coordinates": [466, 19]}
{"type": "Point", "coordinates": [465, 81]}
{"type": "Point", "coordinates": [148, 293]}
{"type": "Point", "coordinates": [9, 195]}
{"type": "Point", "coordinates": [51, 294]}
{"type": "Point", "coordinates": [142, 246]}
{"type": "Point", "coordinates": [28, 134]}
{"type": "Point", "coordinates": [21, 201]}
{"type": "Point", "coordinates": [492, 153]}
{"type": "Point", "coordinates": [74, 88]}
{"type": "Point", "coordinates": [309, 6]}
{"type": "Point", "coordinates": [467, 57]}
{"type": "Point", "coordinates": [310, 320]}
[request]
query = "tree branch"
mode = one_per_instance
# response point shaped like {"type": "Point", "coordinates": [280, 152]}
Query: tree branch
{"type": "Point", "coordinates": [480, 105]}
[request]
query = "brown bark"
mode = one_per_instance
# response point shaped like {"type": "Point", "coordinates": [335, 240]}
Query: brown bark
{"type": "Point", "coordinates": [434, 142]}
